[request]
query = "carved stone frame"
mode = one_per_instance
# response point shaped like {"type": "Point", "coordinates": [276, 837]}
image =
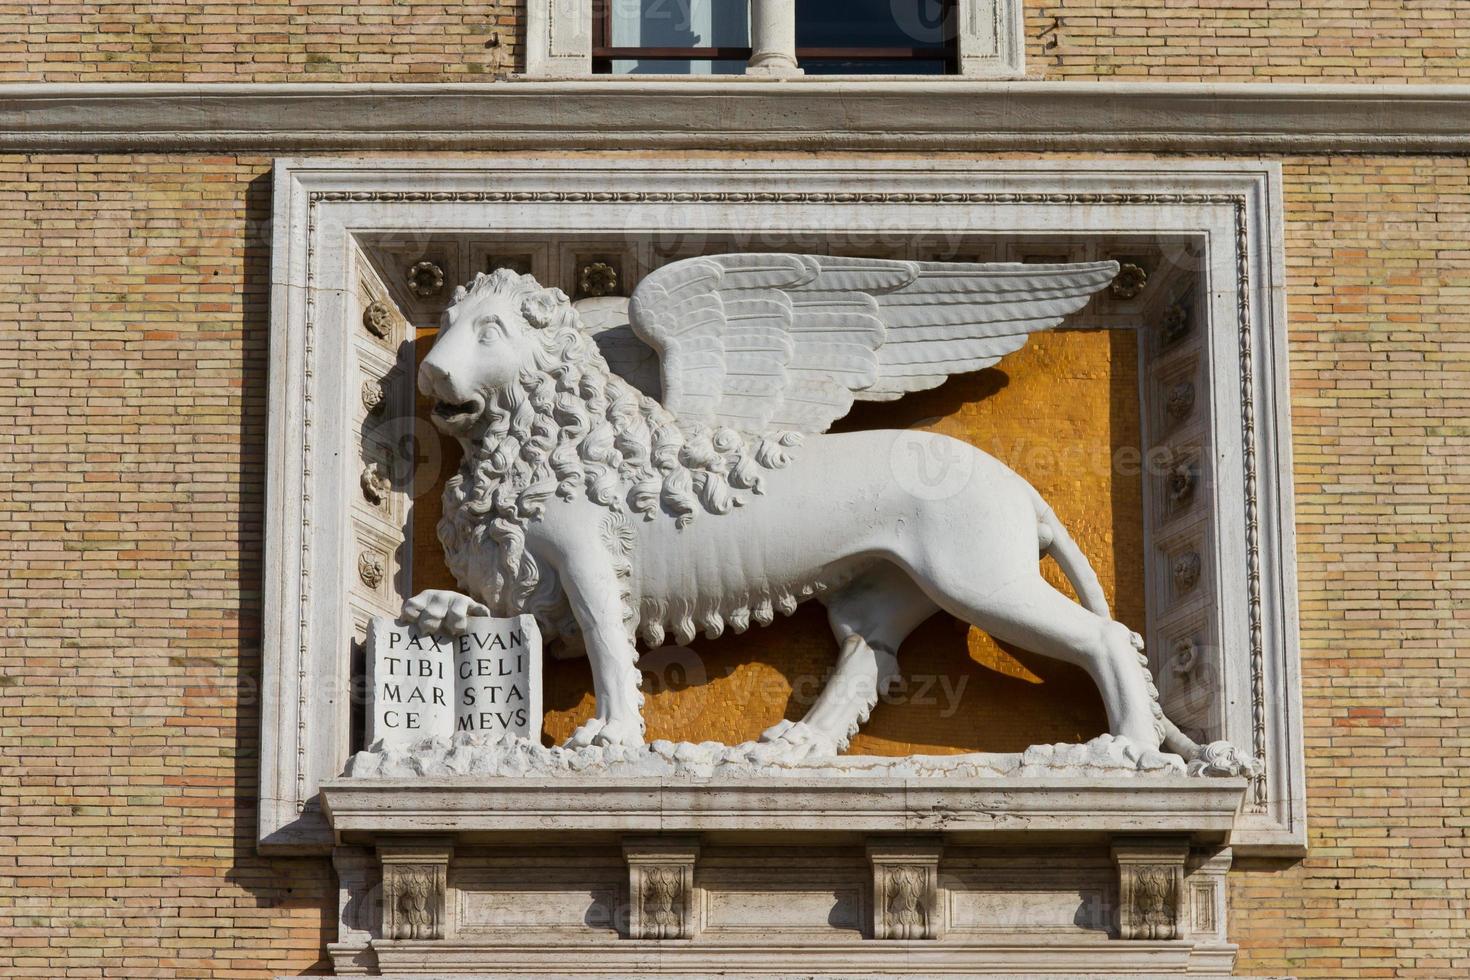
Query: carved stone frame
{"type": "Point", "coordinates": [319, 349]}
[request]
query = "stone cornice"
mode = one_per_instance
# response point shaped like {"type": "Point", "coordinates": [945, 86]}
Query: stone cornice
{"type": "Point", "coordinates": [1204, 809]}
{"type": "Point", "coordinates": [738, 114]}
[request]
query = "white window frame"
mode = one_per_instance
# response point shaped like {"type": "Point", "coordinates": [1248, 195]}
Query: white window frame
{"type": "Point", "coordinates": [991, 39]}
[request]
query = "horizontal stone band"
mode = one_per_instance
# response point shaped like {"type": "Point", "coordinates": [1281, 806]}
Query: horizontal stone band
{"type": "Point", "coordinates": [739, 113]}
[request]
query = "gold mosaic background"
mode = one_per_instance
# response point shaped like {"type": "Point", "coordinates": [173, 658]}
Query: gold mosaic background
{"type": "Point", "coordinates": [1057, 412]}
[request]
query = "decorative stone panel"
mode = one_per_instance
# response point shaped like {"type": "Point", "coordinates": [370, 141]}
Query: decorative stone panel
{"type": "Point", "coordinates": [661, 896]}
{"type": "Point", "coordinates": [415, 887]}
{"type": "Point", "coordinates": [907, 903]}
{"type": "Point", "coordinates": [1150, 888]}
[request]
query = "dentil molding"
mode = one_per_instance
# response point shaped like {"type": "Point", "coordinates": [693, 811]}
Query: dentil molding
{"type": "Point", "coordinates": [737, 113]}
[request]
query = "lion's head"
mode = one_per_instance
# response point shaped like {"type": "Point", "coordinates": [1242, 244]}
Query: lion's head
{"type": "Point", "coordinates": [494, 330]}
{"type": "Point", "coordinates": [540, 414]}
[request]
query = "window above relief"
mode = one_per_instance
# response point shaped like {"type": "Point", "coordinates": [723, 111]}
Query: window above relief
{"type": "Point", "coordinates": [716, 38]}
{"type": "Point", "coordinates": [833, 37]}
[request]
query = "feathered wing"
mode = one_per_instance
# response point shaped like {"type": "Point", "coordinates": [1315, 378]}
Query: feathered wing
{"type": "Point", "coordinates": [762, 342]}
{"type": "Point", "coordinates": [605, 319]}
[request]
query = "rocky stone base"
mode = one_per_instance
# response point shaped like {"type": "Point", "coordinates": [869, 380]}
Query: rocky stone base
{"type": "Point", "coordinates": [487, 755]}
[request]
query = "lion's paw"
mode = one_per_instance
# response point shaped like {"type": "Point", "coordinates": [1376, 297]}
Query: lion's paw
{"type": "Point", "coordinates": [793, 741]}
{"type": "Point", "coordinates": [777, 730]}
{"type": "Point", "coordinates": [585, 733]}
{"type": "Point", "coordinates": [441, 612]}
{"type": "Point", "coordinates": [627, 734]}
{"type": "Point", "coordinates": [1223, 759]}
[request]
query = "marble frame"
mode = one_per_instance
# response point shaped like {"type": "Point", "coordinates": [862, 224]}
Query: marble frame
{"type": "Point", "coordinates": [321, 206]}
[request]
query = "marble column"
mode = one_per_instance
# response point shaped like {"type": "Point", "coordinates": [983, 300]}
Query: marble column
{"type": "Point", "coordinates": [773, 38]}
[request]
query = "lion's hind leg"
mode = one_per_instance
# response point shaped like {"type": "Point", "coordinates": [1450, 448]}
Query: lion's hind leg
{"type": "Point", "coordinates": [870, 617]}
{"type": "Point", "coordinates": [1026, 610]}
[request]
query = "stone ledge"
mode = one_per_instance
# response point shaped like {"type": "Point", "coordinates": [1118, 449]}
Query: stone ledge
{"type": "Point", "coordinates": [1202, 809]}
{"type": "Point", "coordinates": [812, 959]}
{"type": "Point", "coordinates": [473, 755]}
{"type": "Point", "coordinates": [738, 114]}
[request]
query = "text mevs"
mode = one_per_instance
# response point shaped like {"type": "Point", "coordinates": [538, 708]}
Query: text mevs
{"type": "Point", "coordinates": [486, 680]}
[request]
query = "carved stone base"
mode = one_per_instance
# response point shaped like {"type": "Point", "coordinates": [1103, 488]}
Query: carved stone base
{"type": "Point", "coordinates": [774, 877]}
{"type": "Point", "coordinates": [810, 960]}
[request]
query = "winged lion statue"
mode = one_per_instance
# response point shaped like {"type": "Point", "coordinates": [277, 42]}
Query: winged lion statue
{"type": "Point", "coordinates": [661, 466]}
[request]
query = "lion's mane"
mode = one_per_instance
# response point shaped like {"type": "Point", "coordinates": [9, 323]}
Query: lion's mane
{"type": "Point", "coordinates": [568, 425]}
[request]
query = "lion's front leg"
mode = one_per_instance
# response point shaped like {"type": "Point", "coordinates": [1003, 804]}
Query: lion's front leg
{"type": "Point", "coordinates": [595, 595]}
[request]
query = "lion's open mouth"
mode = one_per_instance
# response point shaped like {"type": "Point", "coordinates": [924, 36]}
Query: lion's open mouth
{"type": "Point", "coordinates": [457, 415]}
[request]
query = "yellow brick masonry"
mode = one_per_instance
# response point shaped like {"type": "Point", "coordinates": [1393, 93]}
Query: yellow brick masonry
{"type": "Point", "coordinates": [1378, 262]}
{"type": "Point", "coordinates": [435, 40]}
{"type": "Point", "coordinates": [1249, 40]}
{"type": "Point", "coordinates": [133, 339]}
{"type": "Point", "coordinates": [260, 41]}
{"type": "Point", "coordinates": [133, 344]}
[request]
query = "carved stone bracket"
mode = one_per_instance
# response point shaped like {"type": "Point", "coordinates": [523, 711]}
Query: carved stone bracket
{"type": "Point", "coordinates": [1205, 891]}
{"type": "Point", "coordinates": [661, 900]}
{"type": "Point", "coordinates": [415, 886]}
{"type": "Point", "coordinates": [1150, 887]}
{"type": "Point", "coordinates": [906, 893]}
{"type": "Point", "coordinates": [358, 917]}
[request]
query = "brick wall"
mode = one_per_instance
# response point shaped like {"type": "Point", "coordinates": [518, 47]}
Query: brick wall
{"type": "Point", "coordinates": [1248, 40]}
{"type": "Point", "coordinates": [258, 40]}
{"type": "Point", "coordinates": [1378, 287]}
{"type": "Point", "coordinates": [443, 40]}
{"type": "Point", "coordinates": [133, 337]}
{"type": "Point", "coordinates": [133, 340]}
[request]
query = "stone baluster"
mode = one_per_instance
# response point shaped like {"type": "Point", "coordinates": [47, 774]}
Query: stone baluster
{"type": "Point", "coordinates": [773, 38]}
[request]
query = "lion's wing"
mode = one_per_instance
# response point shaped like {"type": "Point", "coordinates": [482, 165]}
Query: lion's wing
{"type": "Point", "coordinates": [605, 319]}
{"type": "Point", "coordinates": [763, 342]}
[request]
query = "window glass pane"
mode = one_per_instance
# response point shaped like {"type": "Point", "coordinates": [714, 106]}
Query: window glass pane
{"type": "Point", "coordinates": [875, 66]}
{"type": "Point", "coordinates": [675, 66]}
{"type": "Point", "coordinates": [679, 24]}
{"type": "Point", "coordinates": [870, 24]}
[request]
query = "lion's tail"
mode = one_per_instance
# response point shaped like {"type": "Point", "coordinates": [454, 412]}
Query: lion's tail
{"type": "Point", "coordinates": [1055, 541]}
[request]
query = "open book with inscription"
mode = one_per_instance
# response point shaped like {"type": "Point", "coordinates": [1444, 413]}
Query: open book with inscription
{"type": "Point", "coordinates": [487, 680]}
